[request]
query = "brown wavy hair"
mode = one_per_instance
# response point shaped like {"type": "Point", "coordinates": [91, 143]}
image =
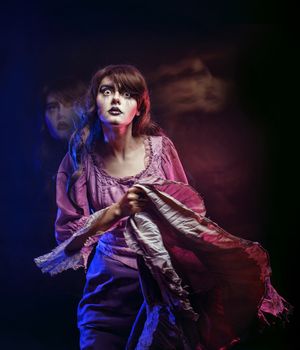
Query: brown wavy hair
{"type": "Point", "coordinates": [90, 133]}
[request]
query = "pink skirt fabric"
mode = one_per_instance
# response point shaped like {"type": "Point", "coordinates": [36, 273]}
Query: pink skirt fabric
{"type": "Point", "coordinates": [220, 281]}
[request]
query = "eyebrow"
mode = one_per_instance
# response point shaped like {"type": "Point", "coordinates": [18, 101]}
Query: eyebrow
{"type": "Point", "coordinates": [106, 86]}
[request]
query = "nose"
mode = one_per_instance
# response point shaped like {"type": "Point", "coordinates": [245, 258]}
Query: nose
{"type": "Point", "coordinates": [116, 97]}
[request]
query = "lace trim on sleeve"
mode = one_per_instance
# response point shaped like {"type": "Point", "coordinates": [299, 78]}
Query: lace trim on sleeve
{"type": "Point", "coordinates": [59, 259]}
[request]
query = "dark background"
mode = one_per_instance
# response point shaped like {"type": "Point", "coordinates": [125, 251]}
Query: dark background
{"type": "Point", "coordinates": [47, 40]}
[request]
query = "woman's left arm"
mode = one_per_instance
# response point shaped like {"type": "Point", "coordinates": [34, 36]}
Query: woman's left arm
{"type": "Point", "coordinates": [173, 170]}
{"type": "Point", "coordinates": [171, 164]}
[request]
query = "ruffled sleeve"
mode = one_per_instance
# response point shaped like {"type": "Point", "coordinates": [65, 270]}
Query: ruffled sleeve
{"type": "Point", "coordinates": [69, 219]}
{"type": "Point", "coordinates": [170, 162]}
{"type": "Point", "coordinates": [71, 224]}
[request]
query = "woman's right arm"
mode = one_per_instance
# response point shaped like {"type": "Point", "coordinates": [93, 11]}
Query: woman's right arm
{"type": "Point", "coordinates": [69, 219]}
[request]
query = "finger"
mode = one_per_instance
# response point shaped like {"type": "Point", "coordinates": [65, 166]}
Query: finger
{"type": "Point", "coordinates": [137, 190]}
{"type": "Point", "coordinates": [142, 206]}
{"type": "Point", "coordinates": [141, 193]}
{"type": "Point", "coordinates": [136, 204]}
{"type": "Point", "coordinates": [143, 200]}
{"type": "Point", "coordinates": [133, 202]}
{"type": "Point", "coordinates": [132, 196]}
{"type": "Point", "coordinates": [138, 209]}
{"type": "Point", "coordinates": [135, 209]}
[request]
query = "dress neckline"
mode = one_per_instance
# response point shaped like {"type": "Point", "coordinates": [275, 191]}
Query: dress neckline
{"type": "Point", "coordinates": [147, 141]}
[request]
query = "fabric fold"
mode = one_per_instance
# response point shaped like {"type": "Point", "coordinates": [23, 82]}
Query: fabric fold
{"type": "Point", "coordinates": [228, 278]}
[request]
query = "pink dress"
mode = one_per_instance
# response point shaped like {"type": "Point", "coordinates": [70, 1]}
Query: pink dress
{"type": "Point", "coordinates": [112, 296]}
{"type": "Point", "coordinates": [228, 276]}
{"type": "Point", "coordinates": [96, 190]}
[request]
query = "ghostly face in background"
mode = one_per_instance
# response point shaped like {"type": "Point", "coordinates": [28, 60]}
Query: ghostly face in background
{"type": "Point", "coordinates": [188, 86]}
{"type": "Point", "coordinates": [61, 117]}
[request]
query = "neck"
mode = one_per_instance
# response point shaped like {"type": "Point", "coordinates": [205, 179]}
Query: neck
{"type": "Point", "coordinates": [118, 140]}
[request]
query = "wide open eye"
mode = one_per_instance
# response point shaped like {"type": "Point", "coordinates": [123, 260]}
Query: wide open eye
{"type": "Point", "coordinates": [105, 90]}
{"type": "Point", "coordinates": [126, 94]}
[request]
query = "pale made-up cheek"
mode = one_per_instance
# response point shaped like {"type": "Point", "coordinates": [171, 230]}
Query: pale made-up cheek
{"type": "Point", "coordinates": [100, 102]}
{"type": "Point", "coordinates": [131, 107]}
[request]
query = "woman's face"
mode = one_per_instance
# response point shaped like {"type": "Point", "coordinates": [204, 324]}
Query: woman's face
{"type": "Point", "coordinates": [61, 118]}
{"type": "Point", "coordinates": [115, 108]}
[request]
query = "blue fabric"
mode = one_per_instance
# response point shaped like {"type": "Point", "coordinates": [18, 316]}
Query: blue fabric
{"type": "Point", "coordinates": [111, 301]}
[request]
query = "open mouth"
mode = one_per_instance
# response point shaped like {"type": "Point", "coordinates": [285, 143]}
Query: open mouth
{"type": "Point", "coordinates": [114, 111]}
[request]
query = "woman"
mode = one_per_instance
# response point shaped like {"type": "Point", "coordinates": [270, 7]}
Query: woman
{"type": "Point", "coordinates": [118, 146]}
